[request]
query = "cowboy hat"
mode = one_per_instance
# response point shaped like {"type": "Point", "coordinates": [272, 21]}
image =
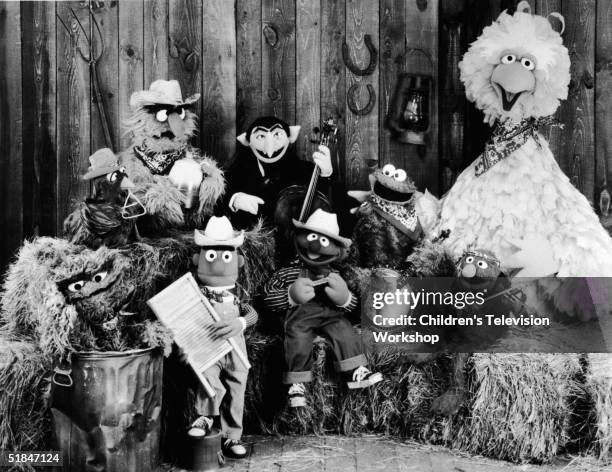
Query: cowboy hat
{"type": "Point", "coordinates": [101, 162]}
{"type": "Point", "coordinates": [324, 223]}
{"type": "Point", "coordinates": [219, 232]}
{"type": "Point", "coordinates": [162, 92]}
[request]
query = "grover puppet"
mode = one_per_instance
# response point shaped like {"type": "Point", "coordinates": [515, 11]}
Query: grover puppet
{"type": "Point", "coordinates": [265, 164]}
{"type": "Point", "coordinates": [315, 298]}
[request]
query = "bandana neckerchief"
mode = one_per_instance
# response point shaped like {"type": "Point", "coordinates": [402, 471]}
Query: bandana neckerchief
{"type": "Point", "coordinates": [507, 137]}
{"type": "Point", "coordinates": [401, 215]}
{"type": "Point", "coordinates": [158, 163]}
{"type": "Point", "coordinates": [217, 295]}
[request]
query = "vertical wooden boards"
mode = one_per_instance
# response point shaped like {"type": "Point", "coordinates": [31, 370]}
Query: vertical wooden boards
{"type": "Point", "coordinates": [308, 71]}
{"type": "Point", "coordinates": [131, 60]}
{"type": "Point", "coordinates": [11, 175]}
{"type": "Point", "coordinates": [248, 63]}
{"type": "Point", "coordinates": [38, 84]}
{"type": "Point", "coordinates": [576, 156]}
{"type": "Point", "coordinates": [333, 75]}
{"type": "Point", "coordinates": [218, 122]}
{"type": "Point", "coordinates": [185, 32]}
{"type": "Point", "coordinates": [361, 131]}
{"type": "Point", "coordinates": [452, 93]}
{"type": "Point", "coordinates": [155, 41]}
{"type": "Point", "coordinates": [73, 109]}
{"type": "Point", "coordinates": [421, 54]}
{"type": "Point", "coordinates": [391, 59]}
{"type": "Point", "coordinates": [603, 98]}
{"type": "Point", "coordinates": [108, 75]}
{"type": "Point", "coordinates": [278, 59]}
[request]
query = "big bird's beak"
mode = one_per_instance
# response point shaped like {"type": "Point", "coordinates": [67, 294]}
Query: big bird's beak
{"type": "Point", "coordinates": [510, 81]}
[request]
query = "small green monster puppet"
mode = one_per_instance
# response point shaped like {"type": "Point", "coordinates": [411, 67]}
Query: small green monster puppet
{"type": "Point", "coordinates": [315, 298]}
{"type": "Point", "coordinates": [218, 265]}
{"type": "Point", "coordinates": [391, 220]}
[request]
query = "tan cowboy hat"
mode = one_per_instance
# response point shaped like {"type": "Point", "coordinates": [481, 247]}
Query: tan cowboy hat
{"type": "Point", "coordinates": [326, 224]}
{"type": "Point", "coordinates": [101, 162]}
{"type": "Point", "coordinates": [219, 232]}
{"type": "Point", "coordinates": [162, 92]}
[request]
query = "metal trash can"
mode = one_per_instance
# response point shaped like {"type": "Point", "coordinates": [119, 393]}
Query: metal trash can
{"type": "Point", "coordinates": [107, 411]}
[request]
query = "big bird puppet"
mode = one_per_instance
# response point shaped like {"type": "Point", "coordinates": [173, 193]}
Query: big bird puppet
{"type": "Point", "coordinates": [514, 200]}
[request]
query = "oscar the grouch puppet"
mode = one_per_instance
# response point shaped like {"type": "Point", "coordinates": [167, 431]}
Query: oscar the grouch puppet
{"type": "Point", "coordinates": [177, 185]}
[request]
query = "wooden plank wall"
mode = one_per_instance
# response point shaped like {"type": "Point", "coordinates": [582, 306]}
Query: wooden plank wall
{"type": "Point", "coordinates": [250, 57]}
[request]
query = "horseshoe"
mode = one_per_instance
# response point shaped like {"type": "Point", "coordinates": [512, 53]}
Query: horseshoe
{"type": "Point", "coordinates": [348, 62]}
{"type": "Point", "coordinates": [352, 103]}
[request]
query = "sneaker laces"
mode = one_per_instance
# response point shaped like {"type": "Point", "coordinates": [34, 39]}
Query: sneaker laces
{"type": "Point", "coordinates": [360, 373]}
{"type": "Point", "coordinates": [297, 389]}
{"type": "Point", "coordinates": [203, 422]}
{"type": "Point", "coordinates": [231, 442]}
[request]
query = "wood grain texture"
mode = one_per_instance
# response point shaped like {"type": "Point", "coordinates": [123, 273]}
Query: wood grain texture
{"type": "Point", "coordinates": [248, 63]}
{"type": "Point", "coordinates": [185, 48]}
{"type": "Point", "coordinates": [131, 58]}
{"type": "Point", "coordinates": [391, 59]}
{"type": "Point", "coordinates": [361, 131]}
{"type": "Point", "coordinates": [308, 72]}
{"type": "Point", "coordinates": [576, 153]}
{"type": "Point", "coordinates": [603, 98]}
{"type": "Point", "coordinates": [38, 84]}
{"type": "Point", "coordinates": [108, 74]}
{"type": "Point", "coordinates": [422, 34]}
{"type": "Point", "coordinates": [155, 41]}
{"type": "Point", "coordinates": [11, 164]}
{"type": "Point", "coordinates": [333, 76]}
{"type": "Point", "coordinates": [278, 59]}
{"type": "Point", "coordinates": [73, 111]}
{"type": "Point", "coordinates": [218, 123]}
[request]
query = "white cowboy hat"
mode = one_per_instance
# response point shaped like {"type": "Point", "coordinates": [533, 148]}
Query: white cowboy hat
{"type": "Point", "coordinates": [101, 162]}
{"type": "Point", "coordinates": [219, 232]}
{"type": "Point", "coordinates": [326, 224]}
{"type": "Point", "coordinates": [162, 92]}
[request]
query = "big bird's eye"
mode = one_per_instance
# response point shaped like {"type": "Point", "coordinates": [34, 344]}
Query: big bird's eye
{"type": "Point", "coordinates": [388, 170]}
{"type": "Point", "coordinates": [312, 237]}
{"type": "Point", "coordinates": [112, 177]}
{"type": "Point", "coordinates": [323, 241]}
{"type": "Point", "coordinates": [182, 114]}
{"type": "Point", "coordinates": [469, 259]}
{"type": "Point", "coordinates": [99, 277]}
{"type": "Point", "coordinates": [400, 175]}
{"type": "Point", "coordinates": [528, 63]}
{"type": "Point", "coordinates": [210, 255]}
{"type": "Point", "coordinates": [161, 115]}
{"type": "Point", "coordinates": [482, 264]}
{"type": "Point", "coordinates": [508, 59]}
{"type": "Point", "coordinates": [227, 256]}
{"type": "Point", "coordinates": [76, 286]}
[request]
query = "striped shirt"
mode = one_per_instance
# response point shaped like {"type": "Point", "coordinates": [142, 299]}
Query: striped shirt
{"type": "Point", "coordinates": [277, 290]}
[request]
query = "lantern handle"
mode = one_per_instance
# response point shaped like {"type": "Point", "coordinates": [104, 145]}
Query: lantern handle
{"type": "Point", "coordinates": [419, 50]}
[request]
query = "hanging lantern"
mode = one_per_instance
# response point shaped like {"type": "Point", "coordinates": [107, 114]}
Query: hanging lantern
{"type": "Point", "coordinates": [409, 118]}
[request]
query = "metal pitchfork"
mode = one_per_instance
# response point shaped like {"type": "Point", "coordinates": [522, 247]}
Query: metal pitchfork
{"type": "Point", "coordinates": [92, 57]}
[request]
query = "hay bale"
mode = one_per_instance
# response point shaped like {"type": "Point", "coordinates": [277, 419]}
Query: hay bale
{"type": "Point", "coordinates": [598, 386]}
{"type": "Point", "coordinates": [519, 407]}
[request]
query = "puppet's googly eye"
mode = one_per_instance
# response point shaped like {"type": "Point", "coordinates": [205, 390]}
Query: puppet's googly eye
{"type": "Point", "coordinates": [161, 115]}
{"type": "Point", "coordinates": [482, 264]}
{"type": "Point", "coordinates": [323, 241]}
{"type": "Point", "coordinates": [210, 255]}
{"type": "Point", "coordinates": [528, 63]}
{"type": "Point", "coordinates": [388, 170]}
{"type": "Point", "coordinates": [508, 59]}
{"type": "Point", "coordinates": [312, 237]}
{"type": "Point", "coordinates": [76, 286]}
{"type": "Point", "coordinates": [112, 177]}
{"type": "Point", "coordinates": [182, 114]}
{"type": "Point", "coordinates": [99, 277]}
{"type": "Point", "coordinates": [469, 259]}
{"type": "Point", "coordinates": [227, 256]}
{"type": "Point", "coordinates": [400, 175]}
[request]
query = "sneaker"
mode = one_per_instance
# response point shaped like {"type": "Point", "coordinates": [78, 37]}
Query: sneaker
{"type": "Point", "coordinates": [296, 395]}
{"type": "Point", "coordinates": [233, 449]}
{"type": "Point", "coordinates": [201, 426]}
{"type": "Point", "coordinates": [363, 377]}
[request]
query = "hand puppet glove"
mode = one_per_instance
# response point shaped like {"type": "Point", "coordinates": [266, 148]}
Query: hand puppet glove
{"type": "Point", "coordinates": [245, 202]}
{"type": "Point", "coordinates": [322, 158]}
{"type": "Point", "coordinates": [301, 291]}
{"type": "Point", "coordinates": [337, 290]}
